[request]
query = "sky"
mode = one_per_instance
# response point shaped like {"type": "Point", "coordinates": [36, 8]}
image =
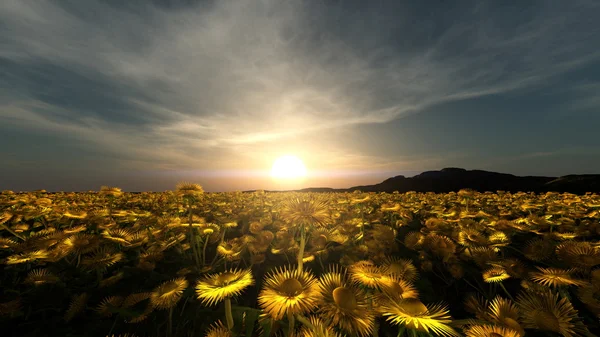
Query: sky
{"type": "Point", "coordinates": [144, 94]}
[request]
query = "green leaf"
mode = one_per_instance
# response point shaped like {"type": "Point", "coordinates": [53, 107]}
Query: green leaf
{"type": "Point", "coordinates": [251, 318]}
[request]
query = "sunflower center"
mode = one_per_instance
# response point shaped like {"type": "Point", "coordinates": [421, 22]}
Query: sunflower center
{"type": "Point", "coordinates": [320, 241]}
{"type": "Point", "coordinates": [291, 287]}
{"type": "Point", "coordinates": [546, 321]}
{"type": "Point", "coordinates": [396, 268]}
{"type": "Point", "coordinates": [344, 298]}
{"type": "Point", "coordinates": [226, 278]}
{"type": "Point", "coordinates": [413, 307]}
{"type": "Point", "coordinates": [493, 334]}
{"type": "Point", "coordinates": [169, 287]}
{"type": "Point", "coordinates": [395, 288]}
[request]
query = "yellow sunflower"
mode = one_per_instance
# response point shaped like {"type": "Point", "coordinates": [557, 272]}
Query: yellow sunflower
{"type": "Point", "coordinates": [555, 277]}
{"type": "Point", "coordinates": [367, 274]}
{"type": "Point", "coordinates": [218, 330]}
{"type": "Point", "coordinates": [495, 274]}
{"type": "Point", "coordinates": [414, 315]}
{"type": "Point", "coordinates": [40, 276]}
{"type": "Point", "coordinates": [310, 211]}
{"type": "Point", "coordinates": [345, 304]}
{"type": "Point", "coordinates": [215, 288]}
{"type": "Point", "coordinates": [289, 291]}
{"type": "Point", "coordinates": [319, 328]}
{"type": "Point", "coordinates": [504, 312]}
{"type": "Point", "coordinates": [548, 312]}
{"type": "Point", "coordinates": [490, 331]}
{"type": "Point", "coordinates": [404, 268]}
{"type": "Point", "coordinates": [166, 295]}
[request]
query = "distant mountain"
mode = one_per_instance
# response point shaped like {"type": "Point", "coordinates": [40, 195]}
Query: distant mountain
{"type": "Point", "coordinates": [455, 179]}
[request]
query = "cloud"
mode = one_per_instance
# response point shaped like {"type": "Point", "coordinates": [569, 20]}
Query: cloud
{"type": "Point", "coordinates": [201, 86]}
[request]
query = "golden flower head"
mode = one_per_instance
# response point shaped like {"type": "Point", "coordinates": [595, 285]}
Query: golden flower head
{"type": "Point", "coordinates": [111, 191]}
{"type": "Point", "coordinates": [167, 295]}
{"type": "Point", "coordinates": [539, 250]}
{"type": "Point", "coordinates": [394, 288]}
{"type": "Point", "coordinates": [215, 288]}
{"type": "Point", "coordinates": [319, 329]}
{"type": "Point", "coordinates": [548, 312]}
{"type": "Point", "coordinates": [495, 274]}
{"type": "Point", "coordinates": [414, 315]}
{"type": "Point", "coordinates": [345, 304]}
{"type": "Point", "coordinates": [504, 312]}
{"type": "Point", "coordinates": [289, 290]}
{"type": "Point", "coordinates": [40, 276]}
{"type": "Point", "coordinates": [367, 274]}
{"type": "Point", "coordinates": [309, 211]}
{"type": "Point", "coordinates": [217, 329]}
{"type": "Point", "coordinates": [186, 189]}
{"type": "Point", "coordinates": [490, 331]}
{"type": "Point", "coordinates": [555, 277]}
{"type": "Point", "coordinates": [403, 268]}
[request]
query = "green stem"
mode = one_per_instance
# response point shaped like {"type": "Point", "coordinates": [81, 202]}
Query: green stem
{"type": "Point", "coordinates": [301, 251]}
{"type": "Point", "coordinates": [12, 232]}
{"type": "Point", "coordinates": [506, 291]}
{"type": "Point", "coordinates": [192, 236]}
{"type": "Point", "coordinates": [220, 242]}
{"type": "Point", "coordinates": [228, 314]}
{"type": "Point", "coordinates": [204, 251]}
{"type": "Point", "coordinates": [292, 322]}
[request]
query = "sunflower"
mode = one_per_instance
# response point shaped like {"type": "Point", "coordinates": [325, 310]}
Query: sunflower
{"type": "Point", "coordinates": [495, 274]}
{"type": "Point", "coordinates": [111, 191]}
{"type": "Point", "coordinates": [490, 331]}
{"type": "Point", "coordinates": [135, 301]}
{"type": "Point", "coordinates": [414, 240]}
{"type": "Point", "coordinates": [27, 257]}
{"type": "Point", "coordinates": [548, 312]}
{"type": "Point", "coordinates": [504, 312]}
{"type": "Point", "coordinates": [121, 236]}
{"type": "Point", "coordinates": [414, 315]}
{"type": "Point", "coordinates": [108, 305]}
{"type": "Point", "coordinates": [367, 274]}
{"type": "Point", "coordinates": [403, 268]}
{"type": "Point", "coordinates": [311, 211]}
{"type": "Point", "coordinates": [80, 243]}
{"type": "Point", "coordinates": [590, 296]}
{"type": "Point", "coordinates": [555, 277]}
{"type": "Point", "coordinates": [76, 306]}
{"type": "Point", "coordinates": [319, 329]}
{"type": "Point", "coordinates": [394, 288]}
{"type": "Point", "coordinates": [40, 276]}
{"type": "Point", "coordinates": [477, 305]}
{"type": "Point", "coordinates": [579, 254]}
{"type": "Point", "coordinates": [166, 295]}
{"type": "Point", "coordinates": [538, 250]}
{"type": "Point", "coordinates": [101, 259]}
{"type": "Point", "coordinates": [345, 304]}
{"type": "Point", "coordinates": [482, 256]}
{"type": "Point", "coordinates": [289, 291]}
{"type": "Point", "coordinates": [217, 329]}
{"type": "Point", "coordinates": [231, 250]}
{"type": "Point", "coordinates": [470, 237]}
{"type": "Point", "coordinates": [186, 189]}
{"type": "Point", "coordinates": [215, 288]}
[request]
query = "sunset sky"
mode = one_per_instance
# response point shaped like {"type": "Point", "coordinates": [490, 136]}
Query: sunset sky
{"type": "Point", "coordinates": [144, 94]}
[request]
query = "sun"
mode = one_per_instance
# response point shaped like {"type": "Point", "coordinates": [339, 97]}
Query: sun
{"type": "Point", "coordinates": [288, 167]}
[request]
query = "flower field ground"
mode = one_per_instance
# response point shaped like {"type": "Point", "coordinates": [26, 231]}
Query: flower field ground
{"type": "Point", "coordinates": [190, 263]}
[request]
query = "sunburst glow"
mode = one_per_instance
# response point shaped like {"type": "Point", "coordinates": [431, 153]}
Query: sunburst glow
{"type": "Point", "coordinates": [288, 167]}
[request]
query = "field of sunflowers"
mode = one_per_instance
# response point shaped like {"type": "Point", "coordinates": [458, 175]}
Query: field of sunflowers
{"type": "Point", "coordinates": [190, 263]}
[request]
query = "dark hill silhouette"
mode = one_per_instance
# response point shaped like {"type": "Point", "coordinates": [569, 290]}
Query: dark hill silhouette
{"type": "Point", "coordinates": [455, 179]}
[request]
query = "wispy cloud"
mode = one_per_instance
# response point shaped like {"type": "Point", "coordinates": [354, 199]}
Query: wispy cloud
{"type": "Point", "coordinates": [197, 87]}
